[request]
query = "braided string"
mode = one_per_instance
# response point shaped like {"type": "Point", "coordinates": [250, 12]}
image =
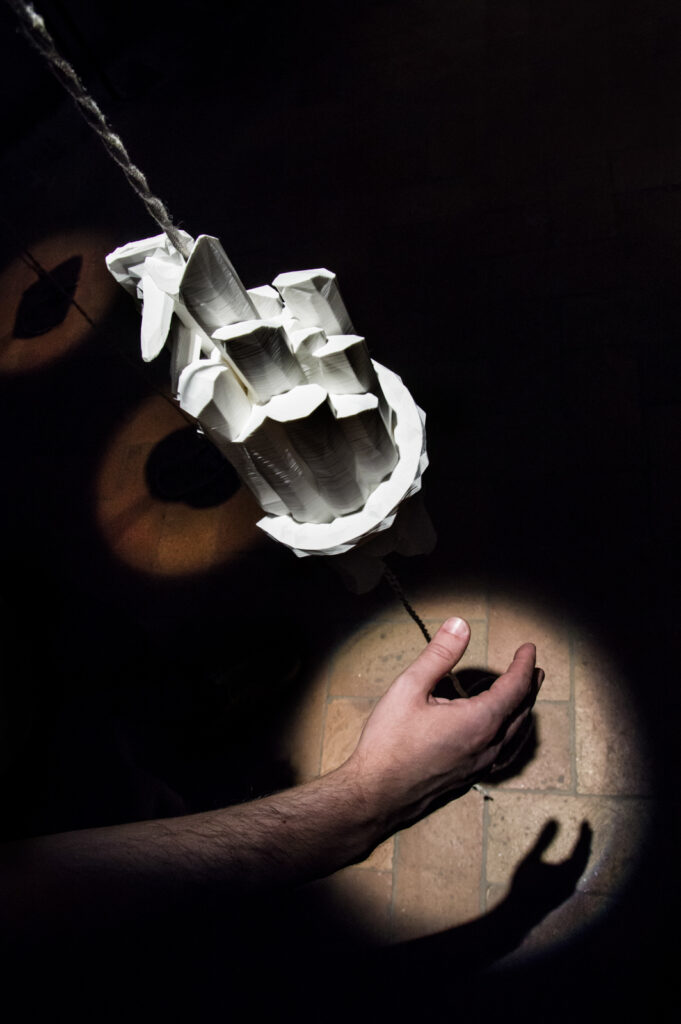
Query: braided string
{"type": "Point", "coordinates": [392, 580]}
{"type": "Point", "coordinates": [40, 271]}
{"type": "Point", "coordinates": [35, 30]}
{"type": "Point", "coordinates": [396, 586]}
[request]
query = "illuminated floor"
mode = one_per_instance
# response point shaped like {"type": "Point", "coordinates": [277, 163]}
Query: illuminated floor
{"type": "Point", "coordinates": [589, 764]}
{"type": "Point", "coordinates": [457, 864]}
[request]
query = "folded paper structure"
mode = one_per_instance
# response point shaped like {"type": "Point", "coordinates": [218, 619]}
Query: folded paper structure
{"type": "Point", "coordinates": [330, 442]}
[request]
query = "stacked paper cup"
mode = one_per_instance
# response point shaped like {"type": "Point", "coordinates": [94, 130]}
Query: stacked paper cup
{"type": "Point", "coordinates": [329, 441]}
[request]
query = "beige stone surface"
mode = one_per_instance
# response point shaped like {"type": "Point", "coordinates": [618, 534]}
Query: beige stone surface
{"type": "Point", "coordinates": [370, 660]}
{"type": "Point", "coordinates": [551, 764]}
{"type": "Point", "coordinates": [361, 900]}
{"type": "Point", "coordinates": [587, 767]}
{"type": "Point", "coordinates": [382, 858]}
{"type": "Point", "coordinates": [619, 828]}
{"type": "Point", "coordinates": [132, 525]}
{"type": "Point", "coordinates": [611, 748]}
{"type": "Point", "coordinates": [437, 869]}
{"type": "Point", "coordinates": [182, 550]}
{"type": "Point", "coordinates": [122, 477]}
{"type": "Point", "coordinates": [511, 623]}
{"type": "Point", "coordinates": [465, 598]}
{"type": "Point", "coordinates": [301, 741]}
{"type": "Point", "coordinates": [495, 893]}
{"type": "Point", "coordinates": [564, 922]}
{"type": "Point", "coordinates": [153, 419]}
{"type": "Point", "coordinates": [345, 720]}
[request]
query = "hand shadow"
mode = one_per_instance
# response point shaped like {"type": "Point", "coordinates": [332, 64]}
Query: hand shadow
{"type": "Point", "coordinates": [425, 973]}
{"type": "Point", "coordinates": [537, 888]}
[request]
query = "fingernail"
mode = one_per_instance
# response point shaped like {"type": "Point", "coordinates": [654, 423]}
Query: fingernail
{"type": "Point", "coordinates": [459, 627]}
{"type": "Point", "coordinates": [540, 677]}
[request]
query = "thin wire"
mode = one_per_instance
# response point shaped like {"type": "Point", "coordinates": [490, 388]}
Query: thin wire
{"type": "Point", "coordinates": [34, 28]}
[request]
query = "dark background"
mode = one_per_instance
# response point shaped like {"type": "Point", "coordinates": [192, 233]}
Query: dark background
{"type": "Point", "coordinates": [497, 185]}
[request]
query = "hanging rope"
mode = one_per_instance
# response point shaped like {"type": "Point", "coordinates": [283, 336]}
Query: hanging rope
{"type": "Point", "coordinates": [41, 272]}
{"type": "Point", "coordinates": [35, 30]}
{"type": "Point", "coordinates": [392, 580]}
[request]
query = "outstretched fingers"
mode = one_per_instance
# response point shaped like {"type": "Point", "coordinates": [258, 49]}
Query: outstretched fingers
{"type": "Point", "coordinates": [517, 688]}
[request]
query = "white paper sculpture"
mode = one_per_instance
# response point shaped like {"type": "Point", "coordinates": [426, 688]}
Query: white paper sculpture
{"type": "Point", "coordinates": [330, 442]}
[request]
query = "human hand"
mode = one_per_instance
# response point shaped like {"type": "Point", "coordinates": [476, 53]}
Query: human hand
{"type": "Point", "coordinates": [417, 747]}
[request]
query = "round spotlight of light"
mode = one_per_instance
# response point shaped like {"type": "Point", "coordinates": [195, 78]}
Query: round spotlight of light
{"type": "Point", "coordinates": [570, 821]}
{"type": "Point", "coordinates": [39, 319]}
{"type": "Point", "coordinates": [166, 524]}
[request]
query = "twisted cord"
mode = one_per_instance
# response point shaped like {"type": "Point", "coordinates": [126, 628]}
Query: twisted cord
{"type": "Point", "coordinates": [392, 580]}
{"type": "Point", "coordinates": [39, 270]}
{"type": "Point", "coordinates": [35, 30]}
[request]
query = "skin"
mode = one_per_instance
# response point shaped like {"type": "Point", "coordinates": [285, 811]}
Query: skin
{"type": "Point", "coordinates": [415, 749]}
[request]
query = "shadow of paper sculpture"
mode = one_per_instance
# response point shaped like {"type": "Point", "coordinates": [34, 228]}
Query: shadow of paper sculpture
{"type": "Point", "coordinates": [330, 442]}
{"type": "Point", "coordinates": [45, 303]}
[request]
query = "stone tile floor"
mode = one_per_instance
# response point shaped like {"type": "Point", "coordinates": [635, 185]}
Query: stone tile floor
{"type": "Point", "coordinates": [589, 765]}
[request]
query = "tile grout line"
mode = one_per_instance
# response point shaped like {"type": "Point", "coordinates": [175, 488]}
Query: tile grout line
{"type": "Point", "coordinates": [331, 698]}
{"type": "Point", "coordinates": [568, 794]}
{"type": "Point", "coordinates": [485, 808]}
{"type": "Point", "coordinates": [159, 531]}
{"type": "Point", "coordinates": [322, 730]}
{"type": "Point", "coordinates": [483, 855]}
{"type": "Point", "coordinates": [574, 790]}
{"type": "Point", "coordinates": [393, 890]}
{"type": "Point", "coordinates": [429, 620]}
{"type": "Point", "coordinates": [396, 847]}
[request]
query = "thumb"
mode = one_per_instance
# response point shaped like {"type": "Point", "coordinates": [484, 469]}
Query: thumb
{"type": "Point", "coordinates": [439, 657]}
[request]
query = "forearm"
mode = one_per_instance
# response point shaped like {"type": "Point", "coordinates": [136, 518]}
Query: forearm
{"type": "Point", "coordinates": [77, 879]}
{"type": "Point", "coordinates": [415, 748]}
